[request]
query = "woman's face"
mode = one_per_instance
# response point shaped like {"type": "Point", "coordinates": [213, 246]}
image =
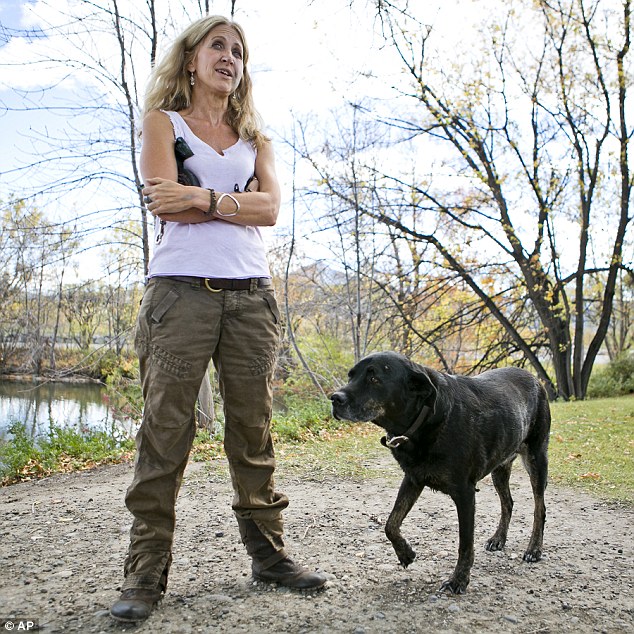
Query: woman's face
{"type": "Point", "coordinates": [218, 61]}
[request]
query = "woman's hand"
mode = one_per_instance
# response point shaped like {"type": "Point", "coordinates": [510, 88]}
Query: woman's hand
{"type": "Point", "coordinates": [253, 184]}
{"type": "Point", "coordinates": [163, 196]}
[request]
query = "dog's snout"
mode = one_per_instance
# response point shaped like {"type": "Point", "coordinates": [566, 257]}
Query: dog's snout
{"type": "Point", "coordinates": [338, 398]}
{"type": "Point", "coordinates": [339, 404]}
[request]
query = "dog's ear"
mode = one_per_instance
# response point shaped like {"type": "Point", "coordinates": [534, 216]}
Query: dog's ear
{"type": "Point", "coordinates": [423, 384]}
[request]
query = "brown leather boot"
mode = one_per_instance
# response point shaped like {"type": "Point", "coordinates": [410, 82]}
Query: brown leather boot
{"type": "Point", "coordinates": [271, 564]}
{"type": "Point", "coordinates": [135, 604]}
{"type": "Point", "coordinates": [287, 573]}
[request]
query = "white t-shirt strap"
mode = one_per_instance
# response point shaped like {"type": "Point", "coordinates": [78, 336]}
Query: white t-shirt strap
{"type": "Point", "coordinates": [177, 123]}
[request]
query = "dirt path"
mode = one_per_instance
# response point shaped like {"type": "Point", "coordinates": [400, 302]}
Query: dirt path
{"type": "Point", "coordinates": [63, 540]}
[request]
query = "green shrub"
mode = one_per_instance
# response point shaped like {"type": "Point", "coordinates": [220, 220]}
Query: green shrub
{"type": "Point", "coordinates": [207, 446]}
{"type": "Point", "coordinates": [304, 418]}
{"type": "Point", "coordinates": [615, 379]}
{"type": "Point", "coordinates": [79, 447]}
{"type": "Point", "coordinates": [328, 360]}
{"type": "Point", "coordinates": [62, 450]}
{"type": "Point", "coordinates": [19, 456]}
{"type": "Point", "coordinates": [622, 369]}
{"type": "Point", "coordinates": [109, 367]}
{"type": "Point", "coordinates": [123, 391]}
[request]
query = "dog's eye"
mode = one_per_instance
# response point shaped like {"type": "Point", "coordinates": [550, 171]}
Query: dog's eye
{"type": "Point", "coordinates": [374, 380]}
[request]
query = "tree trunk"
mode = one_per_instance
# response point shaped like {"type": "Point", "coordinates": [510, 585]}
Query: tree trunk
{"type": "Point", "coordinates": [205, 409]}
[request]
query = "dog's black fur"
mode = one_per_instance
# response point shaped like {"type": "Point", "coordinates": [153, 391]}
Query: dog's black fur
{"type": "Point", "coordinates": [474, 426]}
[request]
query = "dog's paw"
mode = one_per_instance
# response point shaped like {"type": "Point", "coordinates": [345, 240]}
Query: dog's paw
{"type": "Point", "coordinates": [454, 586]}
{"type": "Point", "coordinates": [532, 556]}
{"type": "Point", "coordinates": [495, 543]}
{"type": "Point", "coordinates": [406, 556]}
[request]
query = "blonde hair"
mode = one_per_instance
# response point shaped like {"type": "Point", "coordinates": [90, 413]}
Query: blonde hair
{"type": "Point", "coordinates": [169, 87]}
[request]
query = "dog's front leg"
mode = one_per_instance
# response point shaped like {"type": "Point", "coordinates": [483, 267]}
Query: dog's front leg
{"type": "Point", "coordinates": [408, 493]}
{"type": "Point", "coordinates": [465, 504]}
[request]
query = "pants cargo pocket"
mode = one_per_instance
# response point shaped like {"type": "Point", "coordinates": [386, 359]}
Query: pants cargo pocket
{"type": "Point", "coordinates": [170, 363]}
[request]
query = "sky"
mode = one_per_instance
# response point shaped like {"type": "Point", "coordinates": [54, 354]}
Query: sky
{"type": "Point", "coordinates": [306, 55]}
{"type": "Point", "coordinates": [301, 60]}
{"type": "Point", "coordinates": [11, 12]}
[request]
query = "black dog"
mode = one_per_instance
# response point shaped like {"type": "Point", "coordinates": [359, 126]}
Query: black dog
{"type": "Point", "coordinates": [448, 432]}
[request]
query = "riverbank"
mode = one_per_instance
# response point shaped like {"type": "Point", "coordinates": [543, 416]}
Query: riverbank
{"type": "Point", "coordinates": [39, 379]}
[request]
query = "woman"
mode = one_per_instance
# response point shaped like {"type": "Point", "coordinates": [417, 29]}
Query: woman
{"type": "Point", "coordinates": [209, 295]}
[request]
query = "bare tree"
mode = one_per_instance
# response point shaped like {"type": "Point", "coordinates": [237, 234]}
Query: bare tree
{"type": "Point", "coordinates": [620, 336]}
{"type": "Point", "coordinates": [32, 250]}
{"type": "Point", "coordinates": [529, 132]}
{"type": "Point", "coordinates": [390, 290]}
{"type": "Point", "coordinates": [346, 233]}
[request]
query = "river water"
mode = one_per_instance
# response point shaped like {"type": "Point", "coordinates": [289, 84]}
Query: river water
{"type": "Point", "coordinates": [43, 406]}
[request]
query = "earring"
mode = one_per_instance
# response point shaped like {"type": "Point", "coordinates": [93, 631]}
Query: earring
{"type": "Point", "coordinates": [192, 79]}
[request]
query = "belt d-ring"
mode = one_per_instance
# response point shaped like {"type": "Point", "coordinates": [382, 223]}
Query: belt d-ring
{"type": "Point", "coordinates": [211, 290]}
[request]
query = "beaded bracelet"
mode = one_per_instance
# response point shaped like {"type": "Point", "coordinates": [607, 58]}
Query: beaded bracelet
{"type": "Point", "coordinates": [212, 203]}
{"type": "Point", "coordinates": [237, 204]}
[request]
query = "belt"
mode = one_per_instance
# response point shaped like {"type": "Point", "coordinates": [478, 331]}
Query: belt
{"type": "Point", "coordinates": [216, 284]}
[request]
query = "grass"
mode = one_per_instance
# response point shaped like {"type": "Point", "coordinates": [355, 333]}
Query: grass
{"type": "Point", "coordinates": [591, 447]}
{"type": "Point", "coordinates": [63, 450]}
{"type": "Point", "coordinates": [309, 441]}
{"type": "Point", "coordinates": [351, 452]}
{"type": "Point", "coordinates": [592, 444]}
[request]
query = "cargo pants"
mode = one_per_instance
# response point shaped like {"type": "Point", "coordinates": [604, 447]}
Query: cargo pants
{"type": "Point", "coordinates": [180, 327]}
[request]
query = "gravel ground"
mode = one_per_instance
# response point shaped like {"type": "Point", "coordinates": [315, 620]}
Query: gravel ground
{"type": "Point", "coordinates": [64, 539]}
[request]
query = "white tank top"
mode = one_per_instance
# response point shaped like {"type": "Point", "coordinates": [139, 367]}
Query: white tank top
{"type": "Point", "coordinates": [216, 248]}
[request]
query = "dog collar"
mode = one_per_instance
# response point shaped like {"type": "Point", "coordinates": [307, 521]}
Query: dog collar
{"type": "Point", "coordinates": [396, 441]}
